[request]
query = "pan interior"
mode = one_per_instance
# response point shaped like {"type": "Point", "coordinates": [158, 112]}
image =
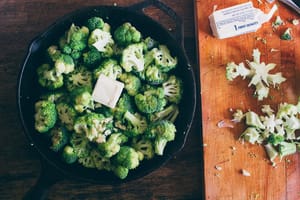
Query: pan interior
{"type": "Point", "coordinates": [29, 91]}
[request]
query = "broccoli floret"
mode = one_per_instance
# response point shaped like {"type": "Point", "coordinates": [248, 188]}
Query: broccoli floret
{"type": "Point", "coordinates": [120, 171]}
{"type": "Point", "coordinates": [48, 77]}
{"type": "Point", "coordinates": [45, 116]}
{"type": "Point", "coordinates": [59, 138]}
{"type": "Point", "coordinates": [53, 96]}
{"type": "Point", "coordinates": [81, 144]}
{"type": "Point", "coordinates": [149, 43]}
{"type": "Point", "coordinates": [67, 114]}
{"type": "Point", "coordinates": [173, 89]}
{"type": "Point", "coordinates": [152, 100]}
{"type": "Point", "coordinates": [132, 83]}
{"type": "Point", "coordinates": [154, 75]}
{"type": "Point", "coordinates": [95, 126]}
{"type": "Point", "coordinates": [74, 41]}
{"type": "Point", "coordinates": [144, 146]}
{"type": "Point", "coordinates": [64, 64]}
{"type": "Point", "coordinates": [127, 34]}
{"type": "Point", "coordinates": [170, 113]}
{"type": "Point", "coordinates": [164, 59]}
{"type": "Point", "coordinates": [80, 77]}
{"type": "Point", "coordinates": [68, 155]}
{"type": "Point", "coordinates": [109, 68]}
{"type": "Point", "coordinates": [162, 132]}
{"type": "Point", "coordinates": [98, 161]}
{"type": "Point", "coordinates": [112, 145]}
{"type": "Point", "coordinates": [95, 23]}
{"type": "Point", "coordinates": [77, 37]}
{"type": "Point", "coordinates": [92, 57]}
{"type": "Point", "coordinates": [83, 99]}
{"type": "Point", "coordinates": [124, 104]}
{"type": "Point", "coordinates": [101, 40]}
{"type": "Point", "coordinates": [132, 58]}
{"type": "Point", "coordinates": [136, 124]}
{"type": "Point", "coordinates": [127, 157]}
{"type": "Point", "coordinates": [286, 35]}
{"type": "Point", "coordinates": [275, 139]}
{"type": "Point", "coordinates": [53, 52]}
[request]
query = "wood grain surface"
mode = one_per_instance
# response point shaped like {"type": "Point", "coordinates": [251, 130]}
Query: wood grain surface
{"type": "Point", "coordinates": [224, 155]}
{"type": "Point", "coordinates": [20, 21]}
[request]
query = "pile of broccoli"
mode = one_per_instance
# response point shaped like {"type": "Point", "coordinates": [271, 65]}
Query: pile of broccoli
{"type": "Point", "coordinates": [83, 131]}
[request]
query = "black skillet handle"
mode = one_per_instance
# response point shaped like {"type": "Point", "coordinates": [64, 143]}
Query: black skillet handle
{"type": "Point", "coordinates": [178, 32]}
{"type": "Point", "coordinates": [48, 177]}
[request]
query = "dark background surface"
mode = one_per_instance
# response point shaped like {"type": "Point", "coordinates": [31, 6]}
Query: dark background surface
{"type": "Point", "coordinates": [20, 21]}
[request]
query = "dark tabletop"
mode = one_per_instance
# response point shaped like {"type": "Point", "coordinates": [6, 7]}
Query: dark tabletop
{"type": "Point", "coordinates": [20, 21]}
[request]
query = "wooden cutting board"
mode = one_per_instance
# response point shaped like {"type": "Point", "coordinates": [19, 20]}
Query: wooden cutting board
{"type": "Point", "coordinates": [224, 155]}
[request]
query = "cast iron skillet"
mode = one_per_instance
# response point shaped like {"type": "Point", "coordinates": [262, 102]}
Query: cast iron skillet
{"type": "Point", "coordinates": [53, 169]}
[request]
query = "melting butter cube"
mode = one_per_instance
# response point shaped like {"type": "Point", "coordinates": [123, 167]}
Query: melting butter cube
{"type": "Point", "coordinates": [107, 91]}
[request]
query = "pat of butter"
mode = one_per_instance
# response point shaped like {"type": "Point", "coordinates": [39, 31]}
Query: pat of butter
{"type": "Point", "coordinates": [239, 19]}
{"type": "Point", "coordinates": [107, 91]}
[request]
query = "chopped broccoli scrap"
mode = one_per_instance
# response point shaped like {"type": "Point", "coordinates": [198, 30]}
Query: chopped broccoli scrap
{"type": "Point", "coordinates": [258, 73]}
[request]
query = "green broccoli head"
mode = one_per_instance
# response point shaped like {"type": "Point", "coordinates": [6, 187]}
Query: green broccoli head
{"type": "Point", "coordinates": [132, 83]}
{"type": "Point", "coordinates": [81, 144]}
{"type": "Point", "coordinates": [64, 64]}
{"type": "Point", "coordinates": [95, 23]}
{"type": "Point", "coordinates": [152, 100]}
{"type": "Point", "coordinates": [275, 139]}
{"type": "Point", "coordinates": [127, 157]}
{"type": "Point", "coordinates": [59, 138]}
{"type": "Point", "coordinates": [109, 68]}
{"type": "Point", "coordinates": [95, 126]}
{"type": "Point", "coordinates": [132, 58]}
{"type": "Point", "coordinates": [92, 58]}
{"type": "Point", "coordinates": [169, 113]}
{"type": "Point", "coordinates": [100, 40]}
{"type": "Point", "coordinates": [120, 171]}
{"type": "Point", "coordinates": [173, 89]}
{"type": "Point", "coordinates": [149, 43]}
{"type": "Point", "coordinates": [127, 34]}
{"type": "Point", "coordinates": [136, 124]}
{"type": "Point", "coordinates": [98, 161]}
{"type": "Point", "coordinates": [144, 146]}
{"type": "Point", "coordinates": [77, 37]}
{"type": "Point", "coordinates": [82, 99]}
{"type": "Point", "coordinates": [80, 77]}
{"type": "Point", "coordinates": [164, 59]}
{"type": "Point", "coordinates": [48, 77]}
{"type": "Point", "coordinates": [69, 155]}
{"type": "Point", "coordinates": [154, 75]}
{"type": "Point", "coordinates": [53, 96]}
{"type": "Point", "coordinates": [163, 128]}
{"type": "Point", "coordinates": [162, 132]}
{"type": "Point", "coordinates": [112, 145]}
{"type": "Point", "coordinates": [53, 52]}
{"type": "Point", "coordinates": [67, 114]}
{"type": "Point", "coordinates": [124, 104]}
{"type": "Point", "coordinates": [45, 116]}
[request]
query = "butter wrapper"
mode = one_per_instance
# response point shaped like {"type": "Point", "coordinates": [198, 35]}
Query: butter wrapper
{"type": "Point", "coordinates": [238, 20]}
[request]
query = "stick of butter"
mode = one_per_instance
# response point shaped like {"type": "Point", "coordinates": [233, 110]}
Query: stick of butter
{"type": "Point", "coordinates": [238, 19]}
{"type": "Point", "coordinates": [107, 91]}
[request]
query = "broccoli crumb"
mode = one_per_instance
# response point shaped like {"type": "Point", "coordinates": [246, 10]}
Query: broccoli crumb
{"type": "Point", "coordinates": [245, 172]}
